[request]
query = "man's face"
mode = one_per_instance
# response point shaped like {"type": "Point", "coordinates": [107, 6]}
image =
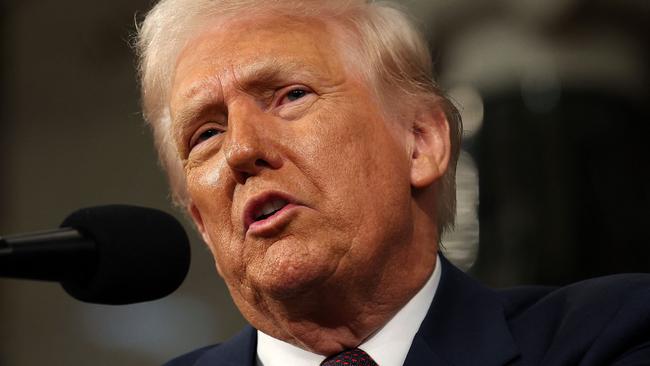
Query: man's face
{"type": "Point", "coordinates": [297, 179]}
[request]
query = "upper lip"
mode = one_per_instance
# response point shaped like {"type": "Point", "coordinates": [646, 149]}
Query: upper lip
{"type": "Point", "coordinates": [256, 203]}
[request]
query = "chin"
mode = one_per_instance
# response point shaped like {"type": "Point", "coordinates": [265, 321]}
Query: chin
{"type": "Point", "coordinates": [287, 279]}
{"type": "Point", "coordinates": [291, 268]}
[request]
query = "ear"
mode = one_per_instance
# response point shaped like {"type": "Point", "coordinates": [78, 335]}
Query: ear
{"type": "Point", "coordinates": [431, 145]}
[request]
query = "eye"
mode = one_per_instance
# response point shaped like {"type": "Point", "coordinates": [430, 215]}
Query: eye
{"type": "Point", "coordinates": [294, 94]}
{"type": "Point", "coordinates": [204, 135]}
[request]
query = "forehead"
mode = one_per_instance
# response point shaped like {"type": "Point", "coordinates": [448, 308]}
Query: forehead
{"type": "Point", "coordinates": [235, 49]}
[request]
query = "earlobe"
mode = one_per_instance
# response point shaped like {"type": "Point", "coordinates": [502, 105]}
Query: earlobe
{"type": "Point", "coordinates": [431, 146]}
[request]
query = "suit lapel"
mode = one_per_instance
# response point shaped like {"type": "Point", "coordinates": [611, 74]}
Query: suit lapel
{"type": "Point", "coordinates": [465, 325]}
{"type": "Point", "coordinates": [237, 351]}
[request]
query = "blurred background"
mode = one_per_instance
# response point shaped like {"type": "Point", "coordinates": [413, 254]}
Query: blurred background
{"type": "Point", "coordinates": [553, 180]}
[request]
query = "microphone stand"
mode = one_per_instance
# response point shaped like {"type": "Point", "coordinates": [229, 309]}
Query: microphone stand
{"type": "Point", "coordinates": [52, 255]}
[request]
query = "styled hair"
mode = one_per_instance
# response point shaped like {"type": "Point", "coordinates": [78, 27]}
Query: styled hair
{"type": "Point", "coordinates": [396, 56]}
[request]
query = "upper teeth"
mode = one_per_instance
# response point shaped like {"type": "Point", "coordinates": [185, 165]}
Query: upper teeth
{"type": "Point", "coordinates": [271, 207]}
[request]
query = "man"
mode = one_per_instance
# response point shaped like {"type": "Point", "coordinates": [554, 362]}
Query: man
{"type": "Point", "coordinates": [315, 154]}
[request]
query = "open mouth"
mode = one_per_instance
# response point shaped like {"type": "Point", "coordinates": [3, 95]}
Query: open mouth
{"type": "Point", "coordinates": [261, 212]}
{"type": "Point", "coordinates": [269, 209]}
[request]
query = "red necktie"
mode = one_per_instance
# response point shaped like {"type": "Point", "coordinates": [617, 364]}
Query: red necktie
{"type": "Point", "coordinates": [351, 357]}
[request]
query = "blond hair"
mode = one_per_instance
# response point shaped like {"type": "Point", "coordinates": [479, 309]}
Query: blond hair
{"type": "Point", "coordinates": [396, 55]}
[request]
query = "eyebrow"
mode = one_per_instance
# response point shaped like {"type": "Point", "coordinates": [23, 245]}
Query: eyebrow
{"type": "Point", "coordinates": [254, 79]}
{"type": "Point", "coordinates": [259, 76]}
{"type": "Point", "coordinates": [251, 77]}
{"type": "Point", "coordinates": [197, 101]}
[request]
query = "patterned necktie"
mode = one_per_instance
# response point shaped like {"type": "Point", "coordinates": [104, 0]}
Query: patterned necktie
{"type": "Point", "coordinates": [351, 357]}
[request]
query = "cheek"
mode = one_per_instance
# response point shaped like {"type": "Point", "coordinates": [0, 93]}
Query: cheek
{"type": "Point", "coordinates": [209, 191]}
{"type": "Point", "coordinates": [360, 164]}
{"type": "Point", "coordinates": [362, 150]}
{"type": "Point", "coordinates": [207, 187]}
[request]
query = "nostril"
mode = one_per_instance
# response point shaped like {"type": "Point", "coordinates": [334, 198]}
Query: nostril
{"type": "Point", "coordinates": [261, 163]}
{"type": "Point", "coordinates": [242, 177]}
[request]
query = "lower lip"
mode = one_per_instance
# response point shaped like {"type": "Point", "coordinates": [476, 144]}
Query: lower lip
{"type": "Point", "coordinates": [271, 225]}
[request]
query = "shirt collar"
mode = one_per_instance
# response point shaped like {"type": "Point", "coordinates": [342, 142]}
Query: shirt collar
{"type": "Point", "coordinates": [388, 346]}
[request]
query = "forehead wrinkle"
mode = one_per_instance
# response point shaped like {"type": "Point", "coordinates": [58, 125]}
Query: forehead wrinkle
{"type": "Point", "coordinates": [209, 87]}
{"type": "Point", "coordinates": [211, 91]}
{"type": "Point", "coordinates": [201, 94]}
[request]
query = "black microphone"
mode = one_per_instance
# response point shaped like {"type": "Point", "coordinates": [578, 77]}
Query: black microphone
{"type": "Point", "coordinates": [114, 255]}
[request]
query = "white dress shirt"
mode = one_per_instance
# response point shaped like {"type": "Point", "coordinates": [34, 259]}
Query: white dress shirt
{"type": "Point", "coordinates": [388, 346]}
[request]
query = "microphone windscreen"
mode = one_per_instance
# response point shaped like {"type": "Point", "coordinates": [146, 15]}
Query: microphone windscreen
{"type": "Point", "coordinates": [142, 254]}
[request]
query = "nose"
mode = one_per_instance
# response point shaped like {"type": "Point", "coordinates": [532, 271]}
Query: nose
{"type": "Point", "coordinates": [249, 146]}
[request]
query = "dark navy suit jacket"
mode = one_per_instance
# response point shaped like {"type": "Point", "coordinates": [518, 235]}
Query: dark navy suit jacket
{"type": "Point", "coordinates": [604, 321]}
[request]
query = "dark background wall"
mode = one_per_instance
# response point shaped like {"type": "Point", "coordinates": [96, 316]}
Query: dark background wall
{"type": "Point", "coordinates": [556, 97]}
{"type": "Point", "coordinates": [72, 136]}
{"type": "Point", "coordinates": [554, 94]}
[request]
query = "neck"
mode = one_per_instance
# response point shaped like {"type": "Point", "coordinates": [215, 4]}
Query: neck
{"type": "Point", "coordinates": [345, 310]}
{"type": "Point", "coordinates": [328, 325]}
